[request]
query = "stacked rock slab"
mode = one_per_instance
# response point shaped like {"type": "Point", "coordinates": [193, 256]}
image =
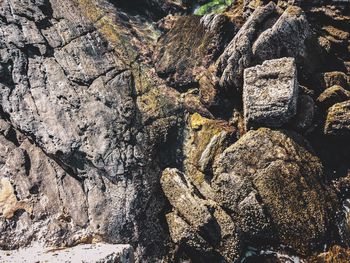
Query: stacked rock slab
{"type": "Point", "coordinates": [270, 93]}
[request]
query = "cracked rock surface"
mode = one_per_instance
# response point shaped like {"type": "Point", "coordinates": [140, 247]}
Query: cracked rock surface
{"type": "Point", "coordinates": [183, 138]}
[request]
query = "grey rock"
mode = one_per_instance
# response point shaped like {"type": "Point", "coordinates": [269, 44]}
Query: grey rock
{"type": "Point", "coordinates": [75, 149]}
{"type": "Point", "coordinates": [270, 93]}
{"type": "Point", "coordinates": [238, 54]}
{"type": "Point", "coordinates": [89, 253]}
{"type": "Point", "coordinates": [286, 38]}
{"type": "Point", "coordinates": [265, 35]}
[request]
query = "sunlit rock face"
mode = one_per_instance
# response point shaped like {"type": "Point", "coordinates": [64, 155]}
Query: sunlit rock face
{"type": "Point", "coordinates": [211, 136]}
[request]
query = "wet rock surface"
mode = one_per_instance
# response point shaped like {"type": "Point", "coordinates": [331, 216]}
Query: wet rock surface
{"type": "Point", "coordinates": [214, 138]}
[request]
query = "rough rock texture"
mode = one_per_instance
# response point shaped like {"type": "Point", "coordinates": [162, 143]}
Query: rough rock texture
{"type": "Point", "coordinates": [68, 89]}
{"type": "Point", "coordinates": [101, 253]}
{"type": "Point", "coordinates": [333, 95]}
{"type": "Point", "coordinates": [270, 93]}
{"type": "Point", "coordinates": [123, 122]}
{"type": "Point", "coordinates": [266, 35]}
{"type": "Point", "coordinates": [268, 185]}
{"type": "Point", "coordinates": [338, 119]}
{"type": "Point", "coordinates": [272, 166]}
{"type": "Point", "coordinates": [191, 45]}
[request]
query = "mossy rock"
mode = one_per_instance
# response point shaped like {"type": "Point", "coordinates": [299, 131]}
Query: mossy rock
{"type": "Point", "coordinates": [215, 6]}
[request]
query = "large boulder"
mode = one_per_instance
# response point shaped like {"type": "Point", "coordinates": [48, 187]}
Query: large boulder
{"type": "Point", "coordinates": [267, 186]}
{"type": "Point", "coordinates": [280, 169]}
{"type": "Point", "coordinates": [270, 93]}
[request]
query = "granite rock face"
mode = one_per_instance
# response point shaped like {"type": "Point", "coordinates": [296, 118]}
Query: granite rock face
{"type": "Point", "coordinates": [270, 93]}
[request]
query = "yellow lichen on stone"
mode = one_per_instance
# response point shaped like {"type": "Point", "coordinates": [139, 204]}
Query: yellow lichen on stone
{"type": "Point", "coordinates": [205, 139]}
{"type": "Point", "coordinates": [8, 201]}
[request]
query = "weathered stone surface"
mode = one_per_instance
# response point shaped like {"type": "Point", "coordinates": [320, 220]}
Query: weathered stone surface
{"type": "Point", "coordinates": [333, 95]}
{"type": "Point", "coordinates": [285, 38]}
{"type": "Point", "coordinates": [279, 169]}
{"type": "Point", "coordinates": [208, 223]}
{"type": "Point", "coordinates": [74, 157]}
{"type": "Point", "coordinates": [329, 79]}
{"type": "Point", "coordinates": [238, 54]}
{"type": "Point", "coordinates": [270, 186]}
{"type": "Point", "coordinates": [270, 93]}
{"type": "Point", "coordinates": [87, 126]}
{"type": "Point", "coordinates": [191, 45]}
{"type": "Point", "coordinates": [334, 254]}
{"type": "Point", "coordinates": [94, 253]}
{"type": "Point", "coordinates": [338, 119]}
{"type": "Point", "coordinates": [266, 35]}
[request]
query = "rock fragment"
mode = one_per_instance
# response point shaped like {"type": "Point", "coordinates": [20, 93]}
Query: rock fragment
{"type": "Point", "coordinates": [270, 93]}
{"type": "Point", "coordinates": [338, 119]}
{"type": "Point", "coordinates": [333, 95]}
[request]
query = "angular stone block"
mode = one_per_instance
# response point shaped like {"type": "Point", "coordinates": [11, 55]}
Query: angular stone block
{"type": "Point", "coordinates": [270, 93]}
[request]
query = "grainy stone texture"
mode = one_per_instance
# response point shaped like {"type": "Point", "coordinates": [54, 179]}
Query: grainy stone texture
{"type": "Point", "coordinates": [77, 141]}
{"type": "Point", "coordinates": [89, 125]}
{"type": "Point", "coordinates": [267, 34]}
{"type": "Point", "coordinates": [266, 186]}
{"type": "Point", "coordinates": [333, 95]}
{"type": "Point", "coordinates": [270, 93]}
{"type": "Point", "coordinates": [338, 120]}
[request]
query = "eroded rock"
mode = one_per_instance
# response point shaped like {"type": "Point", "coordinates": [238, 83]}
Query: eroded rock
{"type": "Point", "coordinates": [266, 35]}
{"type": "Point", "coordinates": [270, 93]}
{"type": "Point", "coordinates": [190, 47]}
{"type": "Point", "coordinates": [281, 170]}
{"type": "Point", "coordinates": [338, 119]}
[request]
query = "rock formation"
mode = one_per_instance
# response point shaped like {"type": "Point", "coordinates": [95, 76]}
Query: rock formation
{"type": "Point", "coordinates": [183, 136]}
